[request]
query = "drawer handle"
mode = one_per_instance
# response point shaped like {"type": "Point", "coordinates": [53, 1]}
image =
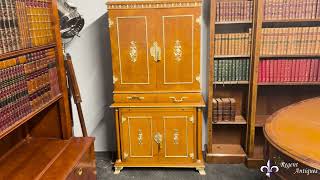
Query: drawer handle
{"type": "Point", "coordinates": [79, 172]}
{"type": "Point", "coordinates": [175, 100]}
{"type": "Point", "coordinates": [135, 98]}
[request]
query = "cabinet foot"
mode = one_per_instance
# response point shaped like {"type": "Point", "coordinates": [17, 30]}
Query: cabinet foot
{"type": "Point", "coordinates": [201, 171]}
{"type": "Point", "coordinates": [117, 170]}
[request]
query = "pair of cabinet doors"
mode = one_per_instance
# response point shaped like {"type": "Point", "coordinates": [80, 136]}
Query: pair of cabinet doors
{"type": "Point", "coordinates": [158, 135]}
{"type": "Point", "coordinates": [155, 49]}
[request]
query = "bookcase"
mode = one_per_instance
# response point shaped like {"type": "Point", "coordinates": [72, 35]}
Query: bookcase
{"type": "Point", "coordinates": [35, 122]}
{"type": "Point", "coordinates": [280, 41]}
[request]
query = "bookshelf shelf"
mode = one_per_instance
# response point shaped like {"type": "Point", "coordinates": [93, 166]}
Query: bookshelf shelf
{"type": "Point", "coordinates": [28, 117]}
{"type": "Point", "coordinates": [233, 153]}
{"type": "Point", "coordinates": [291, 20]}
{"type": "Point", "coordinates": [231, 56]}
{"type": "Point", "coordinates": [233, 22]}
{"type": "Point", "coordinates": [26, 51]}
{"type": "Point", "coordinates": [290, 56]}
{"type": "Point", "coordinates": [290, 84]}
{"type": "Point", "coordinates": [239, 120]}
{"type": "Point", "coordinates": [231, 82]}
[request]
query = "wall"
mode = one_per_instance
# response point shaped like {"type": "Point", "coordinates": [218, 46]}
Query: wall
{"type": "Point", "coordinates": [92, 62]}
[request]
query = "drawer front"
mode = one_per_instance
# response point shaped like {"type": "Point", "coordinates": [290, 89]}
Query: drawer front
{"type": "Point", "coordinates": [134, 98]}
{"type": "Point", "coordinates": [85, 170]}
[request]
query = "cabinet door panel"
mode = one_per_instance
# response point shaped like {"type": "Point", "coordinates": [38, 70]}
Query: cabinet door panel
{"type": "Point", "coordinates": [136, 137]}
{"type": "Point", "coordinates": [178, 131]}
{"type": "Point", "coordinates": [133, 69]}
{"type": "Point", "coordinates": [133, 50]}
{"type": "Point", "coordinates": [179, 67]}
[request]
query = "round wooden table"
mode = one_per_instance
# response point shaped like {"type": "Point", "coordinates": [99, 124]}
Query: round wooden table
{"type": "Point", "coordinates": [293, 141]}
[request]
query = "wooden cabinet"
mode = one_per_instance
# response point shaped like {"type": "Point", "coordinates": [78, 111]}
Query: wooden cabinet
{"type": "Point", "coordinates": [155, 50]}
{"type": "Point", "coordinates": [158, 134]}
{"type": "Point", "coordinates": [156, 74]}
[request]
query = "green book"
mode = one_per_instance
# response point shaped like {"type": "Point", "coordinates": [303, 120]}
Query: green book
{"type": "Point", "coordinates": [240, 69]}
{"type": "Point", "coordinates": [216, 70]}
{"type": "Point", "coordinates": [230, 69]}
{"type": "Point", "coordinates": [224, 70]}
{"type": "Point", "coordinates": [220, 70]}
{"type": "Point", "coordinates": [247, 69]}
{"type": "Point", "coordinates": [233, 70]}
{"type": "Point", "coordinates": [237, 69]}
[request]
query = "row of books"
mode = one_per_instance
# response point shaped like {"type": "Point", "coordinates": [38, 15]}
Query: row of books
{"type": "Point", "coordinates": [233, 43]}
{"type": "Point", "coordinates": [27, 83]}
{"type": "Point", "coordinates": [25, 24]}
{"type": "Point", "coordinates": [224, 109]}
{"type": "Point", "coordinates": [289, 70]}
{"type": "Point", "coordinates": [228, 11]}
{"type": "Point", "coordinates": [293, 40]}
{"type": "Point", "coordinates": [291, 9]}
{"type": "Point", "coordinates": [231, 70]}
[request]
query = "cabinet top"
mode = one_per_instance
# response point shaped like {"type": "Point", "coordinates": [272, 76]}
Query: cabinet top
{"type": "Point", "coordinates": [142, 4]}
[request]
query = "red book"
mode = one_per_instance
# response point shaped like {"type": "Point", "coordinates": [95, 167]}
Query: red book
{"type": "Point", "coordinates": [312, 70]}
{"type": "Point", "coordinates": [316, 70]}
{"type": "Point", "coordinates": [302, 69]}
{"type": "Point", "coordinates": [260, 72]}
{"type": "Point", "coordinates": [293, 70]}
{"type": "Point", "coordinates": [263, 70]}
{"type": "Point", "coordinates": [275, 70]}
{"type": "Point", "coordinates": [281, 70]}
{"type": "Point", "coordinates": [268, 70]}
{"type": "Point", "coordinates": [286, 67]}
{"type": "Point", "coordinates": [297, 71]}
{"type": "Point", "coordinates": [307, 71]}
{"type": "Point", "coordinates": [271, 70]}
{"type": "Point", "coordinates": [290, 70]}
{"type": "Point", "coordinates": [278, 75]}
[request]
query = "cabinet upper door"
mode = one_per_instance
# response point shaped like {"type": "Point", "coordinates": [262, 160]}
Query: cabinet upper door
{"type": "Point", "coordinates": [179, 67]}
{"type": "Point", "coordinates": [130, 35]}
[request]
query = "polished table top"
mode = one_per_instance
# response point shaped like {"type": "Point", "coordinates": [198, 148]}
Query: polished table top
{"type": "Point", "coordinates": [295, 131]}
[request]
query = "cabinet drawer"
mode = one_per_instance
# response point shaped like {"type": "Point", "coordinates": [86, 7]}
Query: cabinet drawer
{"type": "Point", "coordinates": [85, 169]}
{"type": "Point", "coordinates": [180, 98]}
{"type": "Point", "coordinates": [134, 98]}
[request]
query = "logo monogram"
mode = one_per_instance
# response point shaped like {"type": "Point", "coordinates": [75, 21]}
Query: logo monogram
{"type": "Point", "coordinates": [268, 169]}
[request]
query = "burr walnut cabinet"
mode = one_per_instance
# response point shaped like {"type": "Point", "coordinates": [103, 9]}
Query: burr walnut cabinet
{"type": "Point", "coordinates": [156, 75]}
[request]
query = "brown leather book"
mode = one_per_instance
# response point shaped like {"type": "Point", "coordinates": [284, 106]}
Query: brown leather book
{"type": "Point", "coordinates": [215, 110]}
{"type": "Point", "coordinates": [226, 109]}
{"type": "Point", "coordinates": [220, 109]}
{"type": "Point", "coordinates": [232, 109]}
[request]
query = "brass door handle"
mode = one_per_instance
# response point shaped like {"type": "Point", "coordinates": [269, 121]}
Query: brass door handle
{"type": "Point", "coordinates": [155, 51]}
{"type": "Point", "coordinates": [158, 139]}
{"type": "Point", "coordinates": [80, 172]}
{"type": "Point", "coordinates": [135, 98]}
{"type": "Point", "coordinates": [175, 100]}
